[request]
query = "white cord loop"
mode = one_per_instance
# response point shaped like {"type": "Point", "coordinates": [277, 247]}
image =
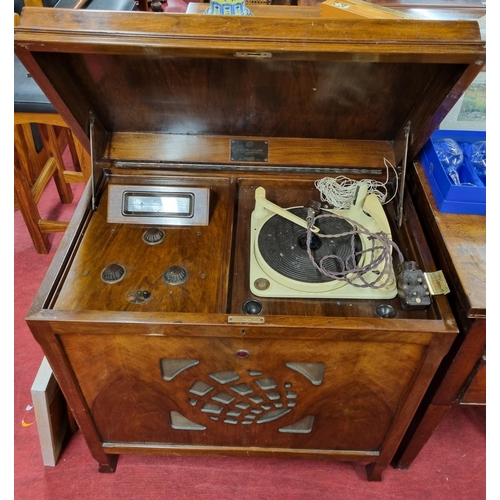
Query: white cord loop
{"type": "Point", "coordinates": [340, 191]}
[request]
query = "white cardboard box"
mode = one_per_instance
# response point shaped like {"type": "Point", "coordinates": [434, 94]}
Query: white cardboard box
{"type": "Point", "coordinates": [51, 413]}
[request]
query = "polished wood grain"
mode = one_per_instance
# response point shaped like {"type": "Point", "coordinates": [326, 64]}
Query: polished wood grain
{"type": "Point", "coordinates": [94, 321]}
{"type": "Point", "coordinates": [166, 31]}
{"type": "Point", "coordinates": [343, 404]}
{"type": "Point", "coordinates": [436, 14]}
{"type": "Point", "coordinates": [279, 109]}
{"type": "Point", "coordinates": [453, 4]}
{"type": "Point", "coordinates": [459, 244]}
{"type": "Point", "coordinates": [461, 241]}
{"type": "Point", "coordinates": [311, 8]}
{"type": "Point", "coordinates": [460, 366]}
{"type": "Point", "coordinates": [207, 289]}
{"type": "Point", "coordinates": [80, 4]}
{"type": "Point", "coordinates": [202, 250]}
{"type": "Point", "coordinates": [475, 392]}
{"type": "Point", "coordinates": [276, 102]}
{"type": "Point", "coordinates": [206, 150]}
{"type": "Point", "coordinates": [328, 98]}
{"type": "Point", "coordinates": [421, 9]}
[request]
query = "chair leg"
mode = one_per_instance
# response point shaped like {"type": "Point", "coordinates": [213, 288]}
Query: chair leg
{"type": "Point", "coordinates": [83, 157]}
{"type": "Point", "coordinates": [72, 149]}
{"type": "Point", "coordinates": [35, 159]}
{"type": "Point", "coordinates": [29, 209]}
{"type": "Point", "coordinates": [80, 158]}
{"type": "Point", "coordinates": [21, 150]}
{"type": "Point", "coordinates": [63, 188]}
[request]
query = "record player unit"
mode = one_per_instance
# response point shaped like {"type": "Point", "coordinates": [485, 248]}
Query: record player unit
{"type": "Point", "coordinates": [206, 298]}
{"type": "Point", "coordinates": [285, 250]}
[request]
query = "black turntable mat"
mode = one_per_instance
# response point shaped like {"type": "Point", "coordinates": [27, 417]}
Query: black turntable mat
{"type": "Point", "coordinates": [282, 245]}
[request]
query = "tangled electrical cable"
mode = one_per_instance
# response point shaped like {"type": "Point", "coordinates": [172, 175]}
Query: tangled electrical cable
{"type": "Point", "coordinates": [379, 262]}
{"type": "Point", "coordinates": [339, 191]}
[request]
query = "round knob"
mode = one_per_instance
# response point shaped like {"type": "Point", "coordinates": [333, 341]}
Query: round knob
{"type": "Point", "coordinates": [153, 236]}
{"type": "Point", "coordinates": [175, 275]}
{"type": "Point", "coordinates": [252, 307]}
{"type": "Point", "coordinates": [113, 273]}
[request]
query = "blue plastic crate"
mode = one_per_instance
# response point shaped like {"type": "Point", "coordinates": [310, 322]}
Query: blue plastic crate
{"type": "Point", "coordinates": [450, 198]}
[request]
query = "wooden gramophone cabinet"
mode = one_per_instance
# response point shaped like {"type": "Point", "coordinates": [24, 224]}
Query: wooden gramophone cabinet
{"type": "Point", "coordinates": [147, 331]}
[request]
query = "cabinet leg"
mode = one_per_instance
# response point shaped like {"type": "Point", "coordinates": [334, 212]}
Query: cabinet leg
{"type": "Point", "coordinates": [109, 465]}
{"type": "Point", "coordinates": [374, 471]}
{"type": "Point", "coordinates": [412, 443]}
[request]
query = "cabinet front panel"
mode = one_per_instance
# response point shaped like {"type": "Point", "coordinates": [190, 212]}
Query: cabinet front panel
{"type": "Point", "coordinates": [325, 395]}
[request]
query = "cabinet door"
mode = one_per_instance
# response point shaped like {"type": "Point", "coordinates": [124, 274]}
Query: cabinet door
{"type": "Point", "coordinates": [251, 392]}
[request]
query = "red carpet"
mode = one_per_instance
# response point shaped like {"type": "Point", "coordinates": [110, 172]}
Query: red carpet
{"type": "Point", "coordinates": [452, 466]}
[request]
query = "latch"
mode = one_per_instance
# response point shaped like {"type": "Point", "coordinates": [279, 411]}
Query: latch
{"type": "Point", "coordinates": [416, 288]}
{"type": "Point", "coordinates": [254, 55]}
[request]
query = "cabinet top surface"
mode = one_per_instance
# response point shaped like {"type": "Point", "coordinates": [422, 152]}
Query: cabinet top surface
{"type": "Point", "coordinates": [464, 238]}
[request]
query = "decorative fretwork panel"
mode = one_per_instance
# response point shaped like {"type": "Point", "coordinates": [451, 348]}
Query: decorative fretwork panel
{"type": "Point", "coordinates": [201, 391]}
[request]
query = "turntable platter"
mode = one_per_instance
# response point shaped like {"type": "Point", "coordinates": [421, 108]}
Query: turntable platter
{"type": "Point", "coordinates": [283, 246]}
{"type": "Point", "coordinates": [347, 252]}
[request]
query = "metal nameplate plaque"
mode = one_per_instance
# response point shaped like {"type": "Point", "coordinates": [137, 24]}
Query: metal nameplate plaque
{"type": "Point", "coordinates": [243, 319]}
{"type": "Point", "coordinates": [253, 151]}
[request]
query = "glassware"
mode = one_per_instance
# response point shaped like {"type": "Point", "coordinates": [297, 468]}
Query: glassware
{"type": "Point", "coordinates": [451, 156]}
{"type": "Point", "coordinates": [477, 156]}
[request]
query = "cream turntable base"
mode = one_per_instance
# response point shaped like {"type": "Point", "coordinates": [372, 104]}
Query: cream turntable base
{"type": "Point", "coordinates": [280, 264]}
{"type": "Point", "coordinates": [142, 316]}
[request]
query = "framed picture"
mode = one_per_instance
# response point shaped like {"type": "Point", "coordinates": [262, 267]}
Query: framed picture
{"type": "Point", "coordinates": [469, 113]}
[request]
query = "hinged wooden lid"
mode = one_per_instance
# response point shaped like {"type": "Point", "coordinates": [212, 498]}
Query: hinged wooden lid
{"type": "Point", "coordinates": [206, 78]}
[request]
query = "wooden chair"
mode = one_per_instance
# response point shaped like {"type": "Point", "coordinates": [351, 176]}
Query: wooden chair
{"type": "Point", "coordinates": [41, 136]}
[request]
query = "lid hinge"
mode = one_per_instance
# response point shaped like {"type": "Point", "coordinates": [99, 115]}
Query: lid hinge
{"type": "Point", "coordinates": [93, 176]}
{"type": "Point", "coordinates": [402, 181]}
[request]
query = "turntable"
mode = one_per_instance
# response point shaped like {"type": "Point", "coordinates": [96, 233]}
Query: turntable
{"type": "Point", "coordinates": [205, 153]}
{"type": "Point", "coordinates": [284, 252]}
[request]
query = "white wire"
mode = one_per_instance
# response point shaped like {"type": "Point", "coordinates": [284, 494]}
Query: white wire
{"type": "Point", "coordinates": [340, 191]}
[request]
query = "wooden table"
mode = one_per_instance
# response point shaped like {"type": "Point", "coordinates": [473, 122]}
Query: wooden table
{"type": "Point", "coordinates": [458, 243]}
